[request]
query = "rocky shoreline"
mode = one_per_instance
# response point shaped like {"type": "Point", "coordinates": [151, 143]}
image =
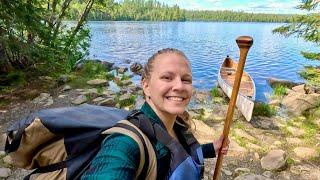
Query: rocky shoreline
{"type": "Point", "coordinates": [285, 146]}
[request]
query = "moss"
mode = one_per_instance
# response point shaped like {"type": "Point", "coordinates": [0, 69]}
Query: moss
{"type": "Point", "coordinates": [263, 109]}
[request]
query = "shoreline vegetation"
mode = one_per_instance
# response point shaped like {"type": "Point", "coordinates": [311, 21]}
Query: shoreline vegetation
{"type": "Point", "coordinates": [150, 10]}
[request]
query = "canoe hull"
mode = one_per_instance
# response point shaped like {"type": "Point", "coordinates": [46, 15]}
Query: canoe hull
{"type": "Point", "coordinates": [244, 103]}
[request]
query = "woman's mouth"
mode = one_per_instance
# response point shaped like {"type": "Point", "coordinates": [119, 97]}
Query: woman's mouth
{"type": "Point", "coordinates": [175, 98]}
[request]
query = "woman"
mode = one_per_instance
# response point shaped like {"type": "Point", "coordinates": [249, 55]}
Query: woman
{"type": "Point", "coordinates": [167, 86]}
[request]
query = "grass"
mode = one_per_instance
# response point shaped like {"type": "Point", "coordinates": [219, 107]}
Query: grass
{"type": "Point", "coordinates": [312, 75]}
{"type": "Point", "coordinates": [214, 92]}
{"type": "Point", "coordinates": [89, 71]}
{"type": "Point", "coordinates": [128, 102]}
{"type": "Point", "coordinates": [279, 91]}
{"type": "Point", "coordinates": [263, 109]}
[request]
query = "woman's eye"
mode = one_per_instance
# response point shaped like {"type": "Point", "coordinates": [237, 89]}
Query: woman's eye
{"type": "Point", "coordinates": [187, 80]}
{"type": "Point", "coordinates": [166, 77]}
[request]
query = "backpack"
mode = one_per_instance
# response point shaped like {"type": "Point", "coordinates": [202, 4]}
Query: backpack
{"type": "Point", "coordinates": [60, 143]}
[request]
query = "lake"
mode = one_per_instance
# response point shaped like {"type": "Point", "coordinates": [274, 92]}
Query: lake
{"type": "Point", "coordinates": [206, 44]}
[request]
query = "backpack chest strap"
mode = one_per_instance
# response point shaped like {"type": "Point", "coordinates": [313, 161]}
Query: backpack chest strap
{"type": "Point", "coordinates": [145, 147]}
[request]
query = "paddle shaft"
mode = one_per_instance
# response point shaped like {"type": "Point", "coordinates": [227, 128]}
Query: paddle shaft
{"type": "Point", "coordinates": [244, 43]}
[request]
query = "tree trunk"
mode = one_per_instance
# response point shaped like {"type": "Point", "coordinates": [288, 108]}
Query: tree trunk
{"type": "Point", "coordinates": [65, 5]}
{"type": "Point", "coordinates": [80, 21]}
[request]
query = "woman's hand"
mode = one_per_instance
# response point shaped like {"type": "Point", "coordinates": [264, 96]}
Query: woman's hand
{"type": "Point", "coordinates": [217, 144]}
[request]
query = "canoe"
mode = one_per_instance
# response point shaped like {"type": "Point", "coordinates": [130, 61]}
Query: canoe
{"type": "Point", "coordinates": [247, 91]}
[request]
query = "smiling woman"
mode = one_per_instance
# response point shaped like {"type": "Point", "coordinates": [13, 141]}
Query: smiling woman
{"type": "Point", "coordinates": [167, 85]}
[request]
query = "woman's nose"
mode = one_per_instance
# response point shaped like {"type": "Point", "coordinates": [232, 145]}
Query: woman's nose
{"type": "Point", "coordinates": [178, 84]}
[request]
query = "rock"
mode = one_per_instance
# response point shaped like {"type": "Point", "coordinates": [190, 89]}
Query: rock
{"type": "Point", "coordinates": [125, 97]}
{"type": "Point", "coordinates": [296, 131]}
{"type": "Point", "coordinates": [250, 176]}
{"type": "Point", "coordinates": [63, 79]}
{"type": "Point", "coordinates": [226, 172]}
{"type": "Point", "coordinates": [5, 172]}
{"type": "Point", "coordinates": [79, 100]}
{"type": "Point", "coordinates": [297, 103]}
{"type": "Point", "coordinates": [299, 169]}
{"type": "Point", "coordinates": [254, 147]}
{"type": "Point", "coordinates": [98, 99]}
{"type": "Point", "coordinates": [98, 82]}
{"type": "Point", "coordinates": [274, 160]}
{"type": "Point", "coordinates": [305, 153]}
{"type": "Point", "coordinates": [201, 96]}
{"type": "Point", "coordinates": [108, 93]}
{"type": "Point", "coordinates": [235, 150]}
{"type": "Point", "coordinates": [127, 61]}
{"type": "Point", "coordinates": [202, 132]}
{"type": "Point", "coordinates": [241, 170]}
{"type": "Point", "coordinates": [62, 96]}
{"type": "Point", "coordinates": [122, 70]}
{"type": "Point", "coordinates": [294, 141]}
{"type": "Point", "coordinates": [256, 156]}
{"type": "Point", "coordinates": [49, 102]}
{"type": "Point", "coordinates": [107, 65]}
{"type": "Point", "coordinates": [126, 82]}
{"type": "Point", "coordinates": [2, 153]}
{"type": "Point", "coordinates": [311, 89]}
{"type": "Point", "coordinates": [263, 122]}
{"type": "Point", "coordinates": [110, 102]}
{"type": "Point", "coordinates": [243, 134]}
{"type": "Point", "coordinates": [66, 88]}
{"type": "Point", "coordinates": [275, 102]}
{"type": "Point", "coordinates": [41, 98]}
{"type": "Point", "coordinates": [136, 68]}
{"type": "Point", "coordinates": [299, 89]}
{"type": "Point", "coordinates": [267, 174]}
{"type": "Point", "coordinates": [8, 160]}
{"type": "Point", "coordinates": [275, 82]}
{"type": "Point", "coordinates": [284, 176]}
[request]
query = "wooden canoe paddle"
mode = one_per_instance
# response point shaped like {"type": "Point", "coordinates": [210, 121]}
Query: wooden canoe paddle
{"type": "Point", "coordinates": [244, 43]}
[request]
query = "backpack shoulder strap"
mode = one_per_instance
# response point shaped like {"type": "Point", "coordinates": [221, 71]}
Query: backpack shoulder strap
{"type": "Point", "coordinates": [146, 157]}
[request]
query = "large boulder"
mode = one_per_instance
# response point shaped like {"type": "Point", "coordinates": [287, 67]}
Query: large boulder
{"type": "Point", "coordinates": [98, 82]}
{"type": "Point", "coordinates": [305, 152]}
{"type": "Point", "coordinates": [297, 103]}
{"type": "Point", "coordinates": [275, 82]}
{"type": "Point", "coordinates": [274, 160]}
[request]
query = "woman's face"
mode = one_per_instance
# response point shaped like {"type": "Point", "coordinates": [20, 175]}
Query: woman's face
{"type": "Point", "coordinates": [169, 85]}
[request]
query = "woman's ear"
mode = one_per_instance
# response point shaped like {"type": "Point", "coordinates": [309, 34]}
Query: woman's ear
{"type": "Point", "coordinates": [145, 87]}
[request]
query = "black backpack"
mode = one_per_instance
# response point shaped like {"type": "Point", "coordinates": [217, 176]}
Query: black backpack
{"type": "Point", "coordinates": [60, 143]}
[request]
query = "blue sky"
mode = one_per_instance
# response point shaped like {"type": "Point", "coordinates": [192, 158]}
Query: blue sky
{"type": "Point", "coordinates": [257, 6]}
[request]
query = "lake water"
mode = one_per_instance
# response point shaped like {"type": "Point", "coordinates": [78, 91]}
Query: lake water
{"type": "Point", "coordinates": [206, 44]}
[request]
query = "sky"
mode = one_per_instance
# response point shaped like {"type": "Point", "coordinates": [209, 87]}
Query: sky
{"type": "Point", "coordinates": [255, 6]}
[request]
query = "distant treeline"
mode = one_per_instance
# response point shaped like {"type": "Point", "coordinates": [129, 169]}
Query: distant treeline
{"type": "Point", "coordinates": [231, 16]}
{"type": "Point", "coordinates": [152, 10]}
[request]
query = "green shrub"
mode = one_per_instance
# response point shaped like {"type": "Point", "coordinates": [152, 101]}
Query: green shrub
{"type": "Point", "coordinates": [263, 109]}
{"type": "Point", "coordinates": [279, 91]}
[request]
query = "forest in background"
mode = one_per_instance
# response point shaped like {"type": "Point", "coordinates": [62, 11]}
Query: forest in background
{"type": "Point", "coordinates": [152, 10]}
{"type": "Point", "coordinates": [34, 41]}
